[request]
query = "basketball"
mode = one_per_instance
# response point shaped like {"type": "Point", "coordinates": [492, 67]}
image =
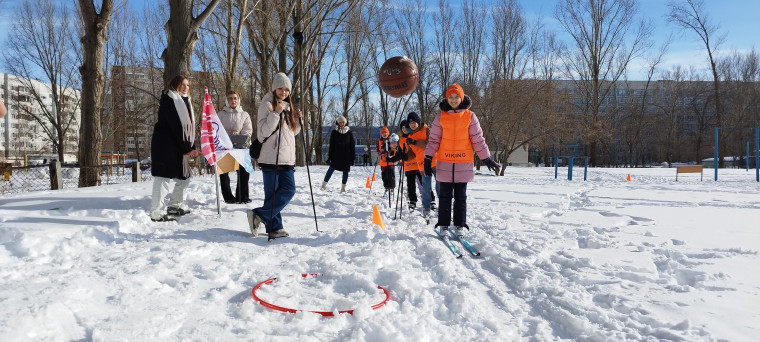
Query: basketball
{"type": "Point", "coordinates": [398, 76]}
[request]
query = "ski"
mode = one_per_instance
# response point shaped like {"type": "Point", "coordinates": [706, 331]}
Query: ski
{"type": "Point", "coordinates": [449, 244]}
{"type": "Point", "coordinates": [465, 243]}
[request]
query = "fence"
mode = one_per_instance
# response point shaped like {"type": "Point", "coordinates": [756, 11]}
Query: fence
{"type": "Point", "coordinates": [55, 176]}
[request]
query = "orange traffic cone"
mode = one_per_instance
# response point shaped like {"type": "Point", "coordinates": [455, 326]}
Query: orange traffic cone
{"type": "Point", "coordinates": [376, 218]}
{"type": "Point", "coordinates": [629, 177]}
{"type": "Point", "coordinates": [373, 177]}
{"type": "Point", "coordinates": [369, 184]}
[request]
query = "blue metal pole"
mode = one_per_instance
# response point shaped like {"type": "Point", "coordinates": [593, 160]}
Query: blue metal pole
{"type": "Point", "coordinates": [585, 169]}
{"type": "Point", "coordinates": [556, 159]}
{"type": "Point", "coordinates": [569, 168]}
{"type": "Point", "coordinates": [715, 160]}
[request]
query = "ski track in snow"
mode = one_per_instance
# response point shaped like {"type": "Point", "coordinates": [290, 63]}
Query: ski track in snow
{"type": "Point", "coordinates": [602, 260]}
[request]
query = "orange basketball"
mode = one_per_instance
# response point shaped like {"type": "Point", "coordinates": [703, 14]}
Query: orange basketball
{"type": "Point", "coordinates": [398, 76]}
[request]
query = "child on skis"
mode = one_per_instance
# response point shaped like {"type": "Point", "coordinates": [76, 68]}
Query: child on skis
{"type": "Point", "coordinates": [454, 134]}
{"type": "Point", "coordinates": [418, 140]}
{"type": "Point", "coordinates": [388, 158]}
{"type": "Point", "coordinates": [383, 146]}
{"type": "Point", "coordinates": [411, 168]}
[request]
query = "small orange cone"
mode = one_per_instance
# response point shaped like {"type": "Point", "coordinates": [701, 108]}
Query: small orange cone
{"type": "Point", "coordinates": [376, 218]}
{"type": "Point", "coordinates": [629, 177]}
{"type": "Point", "coordinates": [369, 184]}
{"type": "Point", "coordinates": [373, 177]}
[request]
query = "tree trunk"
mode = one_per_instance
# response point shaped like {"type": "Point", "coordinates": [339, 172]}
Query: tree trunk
{"type": "Point", "coordinates": [93, 83]}
{"type": "Point", "coordinates": [181, 36]}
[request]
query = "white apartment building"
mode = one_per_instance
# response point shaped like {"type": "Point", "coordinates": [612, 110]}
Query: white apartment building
{"type": "Point", "coordinates": [22, 138]}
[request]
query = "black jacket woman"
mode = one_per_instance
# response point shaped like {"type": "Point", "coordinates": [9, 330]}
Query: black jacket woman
{"type": "Point", "coordinates": [341, 153]}
{"type": "Point", "coordinates": [172, 145]}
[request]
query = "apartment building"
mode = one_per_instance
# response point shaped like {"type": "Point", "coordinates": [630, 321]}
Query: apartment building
{"type": "Point", "coordinates": [23, 137]}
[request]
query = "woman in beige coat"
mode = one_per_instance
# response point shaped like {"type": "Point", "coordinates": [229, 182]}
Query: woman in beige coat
{"type": "Point", "coordinates": [235, 121]}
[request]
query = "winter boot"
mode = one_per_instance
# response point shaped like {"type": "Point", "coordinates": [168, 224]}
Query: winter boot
{"type": "Point", "coordinates": [432, 206]}
{"type": "Point", "coordinates": [460, 230]}
{"type": "Point", "coordinates": [164, 218]}
{"type": "Point", "coordinates": [343, 187]}
{"type": "Point", "coordinates": [324, 186]}
{"type": "Point", "coordinates": [279, 233]}
{"type": "Point", "coordinates": [412, 205]}
{"type": "Point", "coordinates": [177, 211]}
{"type": "Point", "coordinates": [254, 221]}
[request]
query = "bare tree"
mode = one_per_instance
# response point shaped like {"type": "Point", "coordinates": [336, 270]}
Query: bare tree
{"type": "Point", "coordinates": [411, 27]}
{"type": "Point", "coordinates": [181, 36]}
{"type": "Point", "coordinates": [606, 39]}
{"type": "Point", "coordinates": [42, 46]}
{"type": "Point", "coordinates": [95, 25]}
{"type": "Point", "coordinates": [444, 43]}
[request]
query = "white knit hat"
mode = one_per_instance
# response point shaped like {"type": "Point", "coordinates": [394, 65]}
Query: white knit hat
{"type": "Point", "coordinates": [342, 119]}
{"type": "Point", "coordinates": [281, 81]}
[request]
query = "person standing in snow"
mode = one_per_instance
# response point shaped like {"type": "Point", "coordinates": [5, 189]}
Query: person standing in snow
{"type": "Point", "coordinates": [417, 140]}
{"type": "Point", "coordinates": [235, 121]}
{"type": "Point", "coordinates": [388, 159]}
{"type": "Point", "coordinates": [411, 169]}
{"type": "Point", "coordinates": [172, 145]}
{"type": "Point", "coordinates": [278, 119]}
{"type": "Point", "coordinates": [383, 147]}
{"type": "Point", "coordinates": [454, 134]}
{"type": "Point", "coordinates": [341, 153]}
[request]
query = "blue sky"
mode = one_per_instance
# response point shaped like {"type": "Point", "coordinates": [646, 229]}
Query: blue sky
{"type": "Point", "coordinates": [737, 19]}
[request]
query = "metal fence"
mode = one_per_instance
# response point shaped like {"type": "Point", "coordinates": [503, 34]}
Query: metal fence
{"type": "Point", "coordinates": [19, 179]}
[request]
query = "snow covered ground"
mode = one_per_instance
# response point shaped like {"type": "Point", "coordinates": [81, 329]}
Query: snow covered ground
{"type": "Point", "coordinates": [601, 260]}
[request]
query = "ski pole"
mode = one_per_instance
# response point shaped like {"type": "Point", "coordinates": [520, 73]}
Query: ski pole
{"type": "Point", "coordinates": [308, 173]}
{"type": "Point", "coordinates": [400, 189]}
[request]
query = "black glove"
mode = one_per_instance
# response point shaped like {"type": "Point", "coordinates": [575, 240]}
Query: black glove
{"type": "Point", "coordinates": [411, 141]}
{"type": "Point", "coordinates": [492, 165]}
{"type": "Point", "coordinates": [428, 166]}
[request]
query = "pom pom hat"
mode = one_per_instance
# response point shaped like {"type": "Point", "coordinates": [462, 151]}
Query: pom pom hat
{"type": "Point", "coordinates": [342, 119]}
{"type": "Point", "coordinates": [394, 137]}
{"type": "Point", "coordinates": [281, 81]}
{"type": "Point", "coordinates": [384, 130]}
{"type": "Point", "coordinates": [455, 89]}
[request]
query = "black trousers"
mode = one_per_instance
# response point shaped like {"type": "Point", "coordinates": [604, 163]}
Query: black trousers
{"type": "Point", "coordinates": [389, 178]}
{"type": "Point", "coordinates": [411, 184]}
{"type": "Point", "coordinates": [457, 191]}
{"type": "Point", "coordinates": [241, 189]}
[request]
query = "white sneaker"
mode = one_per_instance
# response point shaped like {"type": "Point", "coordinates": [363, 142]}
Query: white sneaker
{"type": "Point", "coordinates": [324, 186]}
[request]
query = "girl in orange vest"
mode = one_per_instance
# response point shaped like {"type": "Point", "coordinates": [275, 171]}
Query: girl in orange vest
{"type": "Point", "coordinates": [386, 168]}
{"type": "Point", "coordinates": [454, 135]}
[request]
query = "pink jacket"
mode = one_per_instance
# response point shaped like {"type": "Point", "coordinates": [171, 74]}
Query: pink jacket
{"type": "Point", "coordinates": [456, 172]}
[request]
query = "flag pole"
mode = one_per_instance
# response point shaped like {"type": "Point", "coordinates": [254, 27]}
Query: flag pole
{"type": "Point", "coordinates": [216, 186]}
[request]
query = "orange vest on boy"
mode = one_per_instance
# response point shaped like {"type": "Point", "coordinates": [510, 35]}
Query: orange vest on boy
{"type": "Point", "coordinates": [410, 163]}
{"type": "Point", "coordinates": [455, 146]}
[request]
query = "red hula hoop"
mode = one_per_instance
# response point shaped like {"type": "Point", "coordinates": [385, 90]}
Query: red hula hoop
{"type": "Point", "coordinates": [323, 313]}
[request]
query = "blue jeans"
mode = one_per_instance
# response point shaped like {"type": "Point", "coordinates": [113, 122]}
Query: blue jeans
{"type": "Point", "coordinates": [427, 193]}
{"type": "Point", "coordinates": [330, 171]}
{"type": "Point", "coordinates": [279, 197]}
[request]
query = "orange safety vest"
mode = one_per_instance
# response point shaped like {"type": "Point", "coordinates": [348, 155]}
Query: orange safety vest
{"type": "Point", "coordinates": [381, 161]}
{"type": "Point", "coordinates": [419, 152]}
{"type": "Point", "coordinates": [410, 163]}
{"type": "Point", "coordinates": [455, 146]}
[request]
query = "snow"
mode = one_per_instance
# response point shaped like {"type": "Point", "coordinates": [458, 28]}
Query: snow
{"type": "Point", "coordinates": [601, 260]}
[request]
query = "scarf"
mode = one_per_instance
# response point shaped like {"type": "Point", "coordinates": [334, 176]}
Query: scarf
{"type": "Point", "coordinates": [342, 130]}
{"type": "Point", "coordinates": [188, 126]}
